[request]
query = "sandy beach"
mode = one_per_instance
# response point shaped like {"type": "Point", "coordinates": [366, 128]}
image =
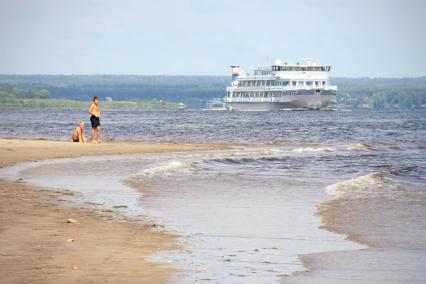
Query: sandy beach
{"type": "Point", "coordinates": [38, 245]}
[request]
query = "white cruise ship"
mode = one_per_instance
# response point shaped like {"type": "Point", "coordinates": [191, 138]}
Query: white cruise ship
{"type": "Point", "coordinates": [304, 85]}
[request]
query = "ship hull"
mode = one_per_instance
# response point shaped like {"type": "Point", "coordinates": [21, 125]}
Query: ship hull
{"type": "Point", "coordinates": [299, 102]}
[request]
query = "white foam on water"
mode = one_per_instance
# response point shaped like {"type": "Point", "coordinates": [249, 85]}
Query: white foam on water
{"type": "Point", "coordinates": [354, 186]}
{"type": "Point", "coordinates": [358, 146]}
{"type": "Point", "coordinates": [313, 149]}
{"type": "Point", "coordinates": [170, 167]}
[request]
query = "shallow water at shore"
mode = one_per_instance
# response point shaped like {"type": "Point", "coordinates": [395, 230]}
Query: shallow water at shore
{"type": "Point", "coordinates": [246, 214]}
{"type": "Point", "coordinates": [242, 213]}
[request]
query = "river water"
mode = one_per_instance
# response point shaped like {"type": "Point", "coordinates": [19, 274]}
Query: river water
{"type": "Point", "coordinates": [247, 213]}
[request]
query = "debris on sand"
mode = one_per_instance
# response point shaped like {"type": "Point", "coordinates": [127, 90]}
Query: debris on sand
{"type": "Point", "coordinates": [119, 206]}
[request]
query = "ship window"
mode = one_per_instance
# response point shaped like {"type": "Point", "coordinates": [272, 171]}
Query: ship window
{"type": "Point", "coordinates": [293, 83]}
{"type": "Point", "coordinates": [316, 83]}
{"type": "Point", "coordinates": [301, 83]}
{"type": "Point", "coordinates": [323, 83]}
{"type": "Point", "coordinates": [309, 83]}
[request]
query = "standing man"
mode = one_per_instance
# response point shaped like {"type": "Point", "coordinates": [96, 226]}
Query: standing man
{"type": "Point", "coordinates": [95, 113]}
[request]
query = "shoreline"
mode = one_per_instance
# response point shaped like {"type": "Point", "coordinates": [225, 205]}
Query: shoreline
{"type": "Point", "coordinates": [380, 222]}
{"type": "Point", "coordinates": [38, 245]}
{"type": "Point", "coordinates": [320, 265]}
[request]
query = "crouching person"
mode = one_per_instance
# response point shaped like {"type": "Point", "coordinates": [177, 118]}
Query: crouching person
{"type": "Point", "coordinates": [78, 134]}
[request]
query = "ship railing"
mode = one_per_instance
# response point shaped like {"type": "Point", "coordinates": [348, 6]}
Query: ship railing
{"type": "Point", "coordinates": [254, 100]}
{"type": "Point", "coordinates": [279, 88]}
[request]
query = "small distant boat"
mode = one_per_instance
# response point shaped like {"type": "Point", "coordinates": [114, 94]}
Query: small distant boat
{"type": "Point", "coordinates": [281, 86]}
{"type": "Point", "coordinates": [216, 104]}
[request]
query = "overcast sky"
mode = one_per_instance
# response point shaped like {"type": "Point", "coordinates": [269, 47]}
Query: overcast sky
{"type": "Point", "coordinates": [379, 38]}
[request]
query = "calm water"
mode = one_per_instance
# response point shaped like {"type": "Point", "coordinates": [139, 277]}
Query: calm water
{"type": "Point", "coordinates": [245, 214]}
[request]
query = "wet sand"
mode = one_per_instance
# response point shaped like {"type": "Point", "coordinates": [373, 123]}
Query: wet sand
{"type": "Point", "coordinates": [38, 245]}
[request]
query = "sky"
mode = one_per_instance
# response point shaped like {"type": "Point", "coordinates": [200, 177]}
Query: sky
{"type": "Point", "coordinates": [359, 38]}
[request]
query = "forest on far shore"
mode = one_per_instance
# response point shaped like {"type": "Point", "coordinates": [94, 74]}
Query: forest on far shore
{"type": "Point", "coordinates": [137, 91]}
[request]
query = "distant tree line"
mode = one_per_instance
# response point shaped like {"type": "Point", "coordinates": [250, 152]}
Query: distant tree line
{"type": "Point", "coordinates": [16, 92]}
{"type": "Point", "coordinates": [195, 91]}
{"type": "Point", "coordinates": [383, 97]}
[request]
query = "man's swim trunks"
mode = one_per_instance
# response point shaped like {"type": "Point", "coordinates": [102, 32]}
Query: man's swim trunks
{"type": "Point", "coordinates": [95, 121]}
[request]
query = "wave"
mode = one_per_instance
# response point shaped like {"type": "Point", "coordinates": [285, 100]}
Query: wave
{"type": "Point", "coordinates": [272, 151]}
{"type": "Point", "coordinates": [329, 148]}
{"type": "Point", "coordinates": [360, 146]}
{"type": "Point", "coordinates": [354, 187]}
{"type": "Point", "coordinates": [403, 171]}
{"type": "Point", "coordinates": [280, 154]}
{"type": "Point", "coordinates": [170, 167]}
{"type": "Point", "coordinates": [314, 149]}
